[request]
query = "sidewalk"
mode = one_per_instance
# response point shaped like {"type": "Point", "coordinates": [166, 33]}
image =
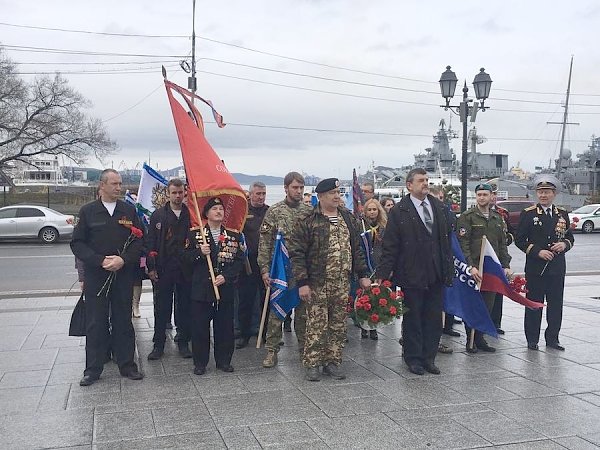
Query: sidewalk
{"type": "Point", "coordinates": [513, 399]}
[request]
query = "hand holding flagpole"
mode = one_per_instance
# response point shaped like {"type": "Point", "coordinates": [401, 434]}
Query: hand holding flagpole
{"type": "Point", "coordinates": [480, 268]}
{"type": "Point", "coordinates": [204, 241]}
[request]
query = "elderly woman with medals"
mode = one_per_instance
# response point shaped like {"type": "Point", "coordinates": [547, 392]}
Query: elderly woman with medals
{"type": "Point", "coordinates": [213, 244]}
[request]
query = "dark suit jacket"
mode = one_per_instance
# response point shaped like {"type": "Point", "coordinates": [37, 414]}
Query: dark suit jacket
{"type": "Point", "coordinates": [403, 246]}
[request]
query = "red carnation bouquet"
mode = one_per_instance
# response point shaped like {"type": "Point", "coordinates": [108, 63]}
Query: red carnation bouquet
{"type": "Point", "coordinates": [136, 233]}
{"type": "Point", "coordinates": [378, 306]}
{"type": "Point", "coordinates": [518, 284]}
{"type": "Point", "coordinates": [574, 222]}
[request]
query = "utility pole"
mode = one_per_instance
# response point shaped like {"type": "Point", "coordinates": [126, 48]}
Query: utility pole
{"type": "Point", "coordinates": [192, 80]}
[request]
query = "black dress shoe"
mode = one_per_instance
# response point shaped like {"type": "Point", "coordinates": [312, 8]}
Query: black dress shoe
{"type": "Point", "coordinates": [226, 368]}
{"type": "Point", "coordinates": [432, 368]}
{"type": "Point", "coordinates": [373, 335]}
{"type": "Point", "coordinates": [452, 333]}
{"type": "Point", "coordinates": [242, 342]}
{"type": "Point", "coordinates": [499, 330]}
{"type": "Point", "coordinates": [556, 346]}
{"type": "Point", "coordinates": [199, 370]}
{"type": "Point", "coordinates": [364, 334]}
{"type": "Point", "coordinates": [472, 349]}
{"type": "Point", "coordinates": [485, 347]}
{"type": "Point", "coordinates": [155, 354]}
{"type": "Point", "coordinates": [88, 380]}
{"type": "Point", "coordinates": [533, 346]}
{"type": "Point", "coordinates": [133, 374]}
{"type": "Point", "coordinates": [417, 369]}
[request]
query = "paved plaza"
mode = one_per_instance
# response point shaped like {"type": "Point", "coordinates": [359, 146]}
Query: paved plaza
{"type": "Point", "coordinates": [513, 399]}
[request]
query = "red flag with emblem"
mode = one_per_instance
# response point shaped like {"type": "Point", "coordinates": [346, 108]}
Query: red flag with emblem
{"type": "Point", "coordinates": [207, 176]}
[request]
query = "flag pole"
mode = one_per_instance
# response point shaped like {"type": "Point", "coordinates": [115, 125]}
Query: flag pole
{"type": "Point", "coordinates": [263, 318]}
{"type": "Point", "coordinates": [208, 258]}
{"type": "Point", "coordinates": [480, 268]}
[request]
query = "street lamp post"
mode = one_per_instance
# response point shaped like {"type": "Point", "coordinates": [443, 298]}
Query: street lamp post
{"type": "Point", "coordinates": [481, 84]}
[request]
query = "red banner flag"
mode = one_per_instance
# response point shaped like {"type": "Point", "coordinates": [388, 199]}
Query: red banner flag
{"type": "Point", "coordinates": [207, 176]}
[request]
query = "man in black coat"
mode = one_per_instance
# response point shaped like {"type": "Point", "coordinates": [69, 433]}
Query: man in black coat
{"type": "Point", "coordinates": [544, 234]}
{"type": "Point", "coordinates": [105, 227]}
{"type": "Point", "coordinates": [417, 257]}
{"type": "Point", "coordinates": [167, 232]}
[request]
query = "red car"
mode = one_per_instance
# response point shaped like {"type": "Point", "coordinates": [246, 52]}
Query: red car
{"type": "Point", "coordinates": [514, 208]}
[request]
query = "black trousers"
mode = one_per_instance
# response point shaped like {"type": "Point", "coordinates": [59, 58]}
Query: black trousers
{"type": "Point", "coordinates": [116, 308]}
{"type": "Point", "coordinates": [496, 313]}
{"type": "Point", "coordinates": [448, 322]}
{"type": "Point", "coordinates": [249, 288]}
{"type": "Point", "coordinates": [222, 318]}
{"type": "Point", "coordinates": [488, 299]}
{"type": "Point", "coordinates": [422, 324]}
{"type": "Point", "coordinates": [171, 285]}
{"type": "Point", "coordinates": [549, 287]}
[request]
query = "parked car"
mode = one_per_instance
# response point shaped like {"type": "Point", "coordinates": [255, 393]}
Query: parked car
{"type": "Point", "coordinates": [514, 208]}
{"type": "Point", "coordinates": [29, 221]}
{"type": "Point", "coordinates": [586, 218]}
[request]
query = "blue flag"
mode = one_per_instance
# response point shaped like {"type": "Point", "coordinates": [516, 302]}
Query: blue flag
{"type": "Point", "coordinates": [463, 299]}
{"type": "Point", "coordinates": [282, 299]}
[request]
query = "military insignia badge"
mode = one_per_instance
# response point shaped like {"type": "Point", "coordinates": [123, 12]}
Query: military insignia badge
{"type": "Point", "coordinates": [158, 225]}
{"type": "Point", "coordinates": [536, 221]}
{"type": "Point", "coordinates": [462, 232]}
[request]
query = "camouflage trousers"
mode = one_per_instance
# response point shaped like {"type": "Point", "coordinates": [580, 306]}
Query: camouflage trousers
{"type": "Point", "coordinates": [275, 328]}
{"type": "Point", "coordinates": [326, 324]}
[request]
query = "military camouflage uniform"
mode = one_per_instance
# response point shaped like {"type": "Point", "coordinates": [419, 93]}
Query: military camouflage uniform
{"type": "Point", "coordinates": [281, 215]}
{"type": "Point", "coordinates": [323, 257]}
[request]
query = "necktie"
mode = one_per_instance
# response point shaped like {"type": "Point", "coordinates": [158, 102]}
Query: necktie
{"type": "Point", "coordinates": [549, 212]}
{"type": "Point", "coordinates": [427, 217]}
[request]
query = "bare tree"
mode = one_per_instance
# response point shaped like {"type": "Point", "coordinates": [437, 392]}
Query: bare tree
{"type": "Point", "coordinates": [46, 116]}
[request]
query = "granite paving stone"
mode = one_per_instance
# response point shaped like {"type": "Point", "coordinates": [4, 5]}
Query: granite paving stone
{"type": "Point", "coordinates": [27, 378]}
{"type": "Point", "coordinates": [20, 399]}
{"type": "Point", "coordinates": [285, 433]}
{"type": "Point", "coordinates": [239, 438]}
{"type": "Point", "coordinates": [202, 440]}
{"type": "Point", "coordinates": [576, 443]}
{"type": "Point", "coordinates": [443, 432]}
{"type": "Point", "coordinates": [121, 426]}
{"type": "Point", "coordinates": [55, 397]}
{"type": "Point", "coordinates": [182, 419]}
{"type": "Point", "coordinates": [46, 429]}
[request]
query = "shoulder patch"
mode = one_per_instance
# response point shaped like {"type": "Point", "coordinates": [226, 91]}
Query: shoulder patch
{"type": "Point", "coordinates": [462, 231]}
{"type": "Point", "coordinates": [158, 225]}
{"type": "Point", "coordinates": [530, 208]}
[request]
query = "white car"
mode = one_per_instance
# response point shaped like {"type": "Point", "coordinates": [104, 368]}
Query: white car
{"type": "Point", "coordinates": [586, 218]}
{"type": "Point", "coordinates": [29, 221]}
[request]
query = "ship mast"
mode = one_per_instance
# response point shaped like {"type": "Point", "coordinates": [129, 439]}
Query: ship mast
{"type": "Point", "coordinates": [564, 124]}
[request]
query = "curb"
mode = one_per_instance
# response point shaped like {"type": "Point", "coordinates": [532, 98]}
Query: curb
{"type": "Point", "coordinates": [50, 293]}
{"type": "Point", "coordinates": [77, 293]}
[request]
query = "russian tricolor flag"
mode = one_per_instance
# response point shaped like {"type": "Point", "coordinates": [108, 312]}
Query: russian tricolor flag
{"type": "Point", "coordinates": [494, 278]}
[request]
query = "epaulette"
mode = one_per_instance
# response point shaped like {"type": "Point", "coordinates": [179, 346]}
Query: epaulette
{"type": "Point", "coordinates": [530, 208]}
{"type": "Point", "coordinates": [231, 230]}
{"type": "Point", "coordinates": [560, 208]}
{"type": "Point", "coordinates": [196, 228]}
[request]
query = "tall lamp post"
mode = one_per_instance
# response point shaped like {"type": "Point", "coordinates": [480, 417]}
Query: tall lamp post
{"type": "Point", "coordinates": [482, 85]}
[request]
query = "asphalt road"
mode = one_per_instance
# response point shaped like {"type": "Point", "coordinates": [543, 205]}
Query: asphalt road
{"type": "Point", "coordinates": [30, 266]}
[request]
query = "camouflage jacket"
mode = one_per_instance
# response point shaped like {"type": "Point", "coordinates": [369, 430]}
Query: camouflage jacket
{"type": "Point", "coordinates": [279, 216]}
{"type": "Point", "coordinates": [308, 246]}
{"type": "Point", "coordinates": [473, 225]}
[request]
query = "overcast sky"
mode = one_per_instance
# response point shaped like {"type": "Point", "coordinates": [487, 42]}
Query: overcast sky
{"type": "Point", "coordinates": [402, 45]}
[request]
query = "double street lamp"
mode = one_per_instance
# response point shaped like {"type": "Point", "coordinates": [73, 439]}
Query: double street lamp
{"type": "Point", "coordinates": [467, 108]}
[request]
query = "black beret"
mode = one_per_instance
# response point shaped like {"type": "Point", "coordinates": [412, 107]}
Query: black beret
{"type": "Point", "coordinates": [483, 187]}
{"type": "Point", "coordinates": [327, 185]}
{"type": "Point", "coordinates": [209, 204]}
